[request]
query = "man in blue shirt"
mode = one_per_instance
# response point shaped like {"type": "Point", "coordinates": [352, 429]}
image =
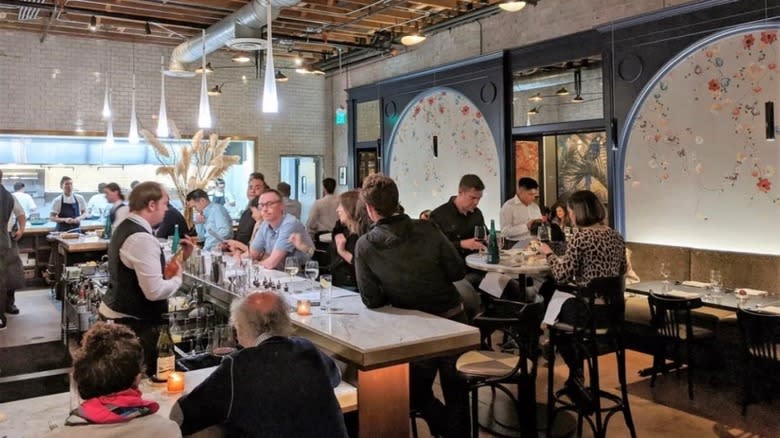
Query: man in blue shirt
{"type": "Point", "coordinates": [272, 242]}
{"type": "Point", "coordinates": [216, 219]}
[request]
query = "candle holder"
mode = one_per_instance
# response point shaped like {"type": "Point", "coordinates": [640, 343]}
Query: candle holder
{"type": "Point", "coordinates": [175, 382]}
{"type": "Point", "coordinates": [303, 307]}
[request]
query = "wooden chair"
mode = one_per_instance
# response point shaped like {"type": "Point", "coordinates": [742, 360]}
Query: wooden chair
{"type": "Point", "coordinates": [761, 337]}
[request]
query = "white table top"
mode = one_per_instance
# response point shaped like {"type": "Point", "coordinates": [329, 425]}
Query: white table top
{"type": "Point", "coordinates": [34, 417]}
{"type": "Point", "coordinates": [507, 264]}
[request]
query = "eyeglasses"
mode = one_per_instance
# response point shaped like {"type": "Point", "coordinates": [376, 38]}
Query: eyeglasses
{"type": "Point", "coordinates": [262, 205]}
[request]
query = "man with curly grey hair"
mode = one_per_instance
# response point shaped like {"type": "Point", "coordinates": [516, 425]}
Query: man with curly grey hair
{"type": "Point", "coordinates": [262, 389]}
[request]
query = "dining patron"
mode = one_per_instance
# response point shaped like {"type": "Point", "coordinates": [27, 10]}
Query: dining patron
{"type": "Point", "coordinates": [411, 265]}
{"type": "Point", "coordinates": [213, 222]}
{"type": "Point", "coordinates": [68, 209]}
{"type": "Point", "coordinates": [247, 222]}
{"type": "Point", "coordinates": [271, 245]}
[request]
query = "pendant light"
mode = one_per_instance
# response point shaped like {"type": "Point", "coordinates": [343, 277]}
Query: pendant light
{"type": "Point", "coordinates": [106, 113]}
{"type": "Point", "coordinates": [270, 101]}
{"type": "Point", "coordinates": [132, 133]}
{"type": "Point", "coordinates": [204, 112]}
{"type": "Point", "coordinates": [162, 117]}
{"type": "Point", "coordinates": [110, 133]}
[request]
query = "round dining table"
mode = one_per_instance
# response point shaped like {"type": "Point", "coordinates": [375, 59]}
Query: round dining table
{"type": "Point", "coordinates": [508, 264]}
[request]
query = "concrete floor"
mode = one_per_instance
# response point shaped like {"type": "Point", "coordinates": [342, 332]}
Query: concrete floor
{"type": "Point", "coordinates": [663, 411]}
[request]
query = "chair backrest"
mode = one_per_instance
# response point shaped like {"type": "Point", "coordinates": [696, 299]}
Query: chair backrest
{"type": "Point", "coordinates": [606, 302]}
{"type": "Point", "coordinates": [669, 314]}
{"type": "Point", "coordinates": [760, 334]}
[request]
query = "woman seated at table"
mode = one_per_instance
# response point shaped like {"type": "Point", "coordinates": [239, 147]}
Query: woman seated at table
{"type": "Point", "coordinates": [352, 224]}
{"type": "Point", "coordinates": [595, 251]}
{"type": "Point", "coordinates": [107, 370]}
{"type": "Point", "coordinates": [561, 216]}
{"type": "Point", "coordinates": [241, 249]}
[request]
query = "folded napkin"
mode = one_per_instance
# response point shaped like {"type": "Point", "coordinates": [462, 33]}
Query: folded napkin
{"type": "Point", "coordinates": [554, 308]}
{"type": "Point", "coordinates": [692, 283]}
{"type": "Point", "coordinates": [751, 292]}
{"type": "Point", "coordinates": [771, 309]}
{"type": "Point", "coordinates": [494, 283]}
{"type": "Point", "coordinates": [681, 294]}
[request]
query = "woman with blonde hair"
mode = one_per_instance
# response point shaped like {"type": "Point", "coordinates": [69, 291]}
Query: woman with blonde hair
{"type": "Point", "coordinates": [353, 223]}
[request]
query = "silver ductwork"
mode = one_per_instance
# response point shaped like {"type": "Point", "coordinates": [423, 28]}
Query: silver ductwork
{"type": "Point", "coordinates": [250, 17]}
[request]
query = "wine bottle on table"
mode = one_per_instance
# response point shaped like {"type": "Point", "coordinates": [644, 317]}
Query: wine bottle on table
{"type": "Point", "coordinates": [107, 228]}
{"type": "Point", "coordinates": [175, 241]}
{"type": "Point", "coordinates": [166, 358]}
{"type": "Point", "coordinates": [492, 247]}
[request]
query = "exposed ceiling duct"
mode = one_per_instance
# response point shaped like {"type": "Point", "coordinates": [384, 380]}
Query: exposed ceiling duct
{"type": "Point", "coordinates": [251, 17]}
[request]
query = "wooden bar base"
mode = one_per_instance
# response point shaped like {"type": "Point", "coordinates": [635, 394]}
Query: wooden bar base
{"type": "Point", "coordinates": [383, 402]}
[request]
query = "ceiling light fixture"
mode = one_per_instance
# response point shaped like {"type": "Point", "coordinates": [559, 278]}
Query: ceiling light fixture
{"type": "Point", "coordinates": [562, 92]}
{"type": "Point", "coordinates": [207, 68]}
{"type": "Point", "coordinates": [298, 61]}
{"type": "Point", "coordinates": [578, 87]}
{"type": "Point", "coordinates": [92, 24]}
{"type": "Point", "coordinates": [204, 111]}
{"type": "Point", "coordinates": [106, 113]}
{"type": "Point", "coordinates": [281, 77]}
{"type": "Point", "coordinates": [533, 111]}
{"type": "Point", "coordinates": [132, 134]}
{"type": "Point", "coordinates": [536, 97]}
{"type": "Point", "coordinates": [416, 38]}
{"type": "Point", "coordinates": [215, 91]}
{"type": "Point", "coordinates": [270, 100]}
{"type": "Point", "coordinates": [162, 117]}
{"type": "Point", "coordinates": [512, 5]}
{"type": "Point", "coordinates": [241, 58]}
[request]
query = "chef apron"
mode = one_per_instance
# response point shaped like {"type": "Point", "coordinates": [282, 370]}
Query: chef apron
{"type": "Point", "coordinates": [68, 210]}
{"type": "Point", "coordinates": [218, 199]}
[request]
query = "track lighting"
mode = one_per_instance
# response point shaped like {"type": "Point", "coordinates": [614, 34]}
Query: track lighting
{"type": "Point", "coordinates": [281, 77]}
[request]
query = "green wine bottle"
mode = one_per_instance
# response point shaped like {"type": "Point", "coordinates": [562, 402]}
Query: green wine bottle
{"type": "Point", "coordinates": [107, 227]}
{"type": "Point", "coordinates": [175, 242]}
{"type": "Point", "coordinates": [492, 249]}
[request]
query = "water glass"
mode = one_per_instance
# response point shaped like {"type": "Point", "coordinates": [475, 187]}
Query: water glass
{"type": "Point", "coordinates": [666, 271]}
{"type": "Point", "coordinates": [716, 280]}
{"type": "Point", "coordinates": [326, 291]}
{"type": "Point", "coordinates": [312, 270]}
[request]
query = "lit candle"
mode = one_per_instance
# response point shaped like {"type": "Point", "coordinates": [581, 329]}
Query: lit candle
{"type": "Point", "coordinates": [303, 308]}
{"type": "Point", "coordinates": [176, 382]}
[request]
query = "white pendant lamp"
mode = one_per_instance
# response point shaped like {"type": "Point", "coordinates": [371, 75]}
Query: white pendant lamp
{"type": "Point", "coordinates": [270, 101]}
{"type": "Point", "coordinates": [204, 112]}
{"type": "Point", "coordinates": [106, 113]}
{"type": "Point", "coordinates": [110, 132]}
{"type": "Point", "coordinates": [162, 117]}
{"type": "Point", "coordinates": [132, 134]}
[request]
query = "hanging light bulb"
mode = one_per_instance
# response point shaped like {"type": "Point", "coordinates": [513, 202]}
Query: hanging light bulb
{"type": "Point", "coordinates": [132, 134]}
{"type": "Point", "coordinates": [162, 117]}
{"type": "Point", "coordinates": [106, 105]}
{"type": "Point", "coordinates": [204, 112]}
{"type": "Point", "coordinates": [270, 101]}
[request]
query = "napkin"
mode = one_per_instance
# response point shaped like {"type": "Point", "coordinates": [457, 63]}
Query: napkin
{"type": "Point", "coordinates": [554, 308]}
{"type": "Point", "coordinates": [681, 294]}
{"type": "Point", "coordinates": [751, 292]}
{"type": "Point", "coordinates": [494, 283]}
{"type": "Point", "coordinates": [771, 309]}
{"type": "Point", "coordinates": [692, 283]}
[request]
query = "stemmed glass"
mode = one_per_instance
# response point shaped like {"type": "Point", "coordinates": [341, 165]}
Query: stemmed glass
{"type": "Point", "coordinates": [291, 266]}
{"type": "Point", "coordinates": [666, 271]}
{"type": "Point", "coordinates": [312, 270]}
{"type": "Point", "coordinates": [481, 235]}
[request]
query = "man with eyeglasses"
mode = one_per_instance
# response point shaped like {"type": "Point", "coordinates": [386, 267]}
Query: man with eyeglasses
{"type": "Point", "coordinates": [272, 242]}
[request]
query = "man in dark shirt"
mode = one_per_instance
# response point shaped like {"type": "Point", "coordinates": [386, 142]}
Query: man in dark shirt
{"type": "Point", "coordinates": [172, 218]}
{"type": "Point", "coordinates": [246, 224]}
{"type": "Point", "coordinates": [411, 265]}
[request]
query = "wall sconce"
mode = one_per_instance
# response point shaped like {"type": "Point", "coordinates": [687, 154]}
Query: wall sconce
{"type": "Point", "coordinates": [92, 24]}
{"type": "Point", "coordinates": [769, 115]}
{"type": "Point", "coordinates": [533, 111]}
{"type": "Point", "coordinates": [207, 69]}
{"type": "Point", "coordinates": [536, 97]}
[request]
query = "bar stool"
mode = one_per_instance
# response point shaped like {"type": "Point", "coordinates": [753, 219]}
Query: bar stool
{"type": "Point", "coordinates": [670, 317]}
{"type": "Point", "coordinates": [519, 322]}
{"type": "Point", "coordinates": [599, 333]}
{"type": "Point", "coordinates": [761, 336]}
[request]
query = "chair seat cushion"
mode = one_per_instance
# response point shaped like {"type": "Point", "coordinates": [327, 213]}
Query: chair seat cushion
{"type": "Point", "coordinates": [487, 363]}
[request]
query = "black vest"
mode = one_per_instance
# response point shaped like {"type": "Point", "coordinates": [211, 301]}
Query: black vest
{"type": "Point", "coordinates": [114, 209]}
{"type": "Point", "coordinates": [124, 294]}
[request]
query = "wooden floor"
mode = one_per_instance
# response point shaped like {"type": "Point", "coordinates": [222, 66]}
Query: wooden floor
{"type": "Point", "coordinates": [663, 411]}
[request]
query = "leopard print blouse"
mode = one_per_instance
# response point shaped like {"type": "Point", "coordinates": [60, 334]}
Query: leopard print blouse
{"type": "Point", "coordinates": [590, 253]}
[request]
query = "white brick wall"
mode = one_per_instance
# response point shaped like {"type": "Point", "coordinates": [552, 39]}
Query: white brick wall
{"type": "Point", "coordinates": [31, 100]}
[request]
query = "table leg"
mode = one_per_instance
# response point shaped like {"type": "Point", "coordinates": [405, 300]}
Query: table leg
{"type": "Point", "coordinates": [383, 402]}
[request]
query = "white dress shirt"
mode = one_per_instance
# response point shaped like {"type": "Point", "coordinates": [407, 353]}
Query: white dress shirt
{"type": "Point", "coordinates": [27, 203]}
{"type": "Point", "coordinates": [323, 216]}
{"type": "Point", "coordinates": [18, 211]}
{"type": "Point", "coordinates": [515, 217]}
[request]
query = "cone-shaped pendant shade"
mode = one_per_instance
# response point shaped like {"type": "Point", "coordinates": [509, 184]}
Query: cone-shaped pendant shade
{"type": "Point", "coordinates": [132, 134]}
{"type": "Point", "coordinates": [204, 113]}
{"type": "Point", "coordinates": [162, 117]}
{"type": "Point", "coordinates": [106, 113]}
{"type": "Point", "coordinates": [109, 133]}
{"type": "Point", "coordinates": [270, 101]}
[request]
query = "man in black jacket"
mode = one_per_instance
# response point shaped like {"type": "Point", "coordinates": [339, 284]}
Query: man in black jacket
{"type": "Point", "coordinates": [411, 265]}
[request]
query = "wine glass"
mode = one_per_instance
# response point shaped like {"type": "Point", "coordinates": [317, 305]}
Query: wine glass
{"type": "Point", "coordinates": [480, 235]}
{"type": "Point", "coordinates": [716, 280]}
{"type": "Point", "coordinates": [291, 266]}
{"type": "Point", "coordinates": [312, 270]}
{"type": "Point", "coordinates": [666, 271]}
{"type": "Point", "coordinates": [543, 233]}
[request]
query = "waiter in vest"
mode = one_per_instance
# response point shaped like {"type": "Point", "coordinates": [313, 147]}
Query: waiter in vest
{"type": "Point", "coordinates": [68, 209]}
{"type": "Point", "coordinates": [140, 280]}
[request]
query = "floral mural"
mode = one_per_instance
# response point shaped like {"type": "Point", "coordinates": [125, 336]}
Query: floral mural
{"type": "Point", "coordinates": [699, 170]}
{"type": "Point", "coordinates": [465, 145]}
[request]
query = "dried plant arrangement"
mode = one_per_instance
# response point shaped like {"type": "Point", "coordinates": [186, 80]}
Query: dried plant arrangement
{"type": "Point", "coordinates": [194, 165]}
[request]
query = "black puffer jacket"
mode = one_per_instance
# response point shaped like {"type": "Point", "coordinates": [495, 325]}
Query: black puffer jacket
{"type": "Point", "coordinates": [409, 264]}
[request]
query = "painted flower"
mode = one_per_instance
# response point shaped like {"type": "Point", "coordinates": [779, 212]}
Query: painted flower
{"type": "Point", "coordinates": [441, 109]}
{"type": "Point", "coordinates": [709, 53]}
{"type": "Point", "coordinates": [713, 85]}
{"type": "Point", "coordinates": [768, 37]}
{"type": "Point", "coordinates": [430, 100]}
{"type": "Point", "coordinates": [416, 111]}
{"type": "Point", "coordinates": [478, 114]}
{"type": "Point", "coordinates": [764, 185]}
{"type": "Point", "coordinates": [755, 173]}
{"type": "Point", "coordinates": [771, 66]}
{"type": "Point", "coordinates": [465, 110]}
{"type": "Point", "coordinates": [747, 41]}
{"type": "Point", "coordinates": [757, 89]}
{"type": "Point", "coordinates": [740, 157]}
{"type": "Point", "coordinates": [657, 137]}
{"type": "Point", "coordinates": [735, 112]}
{"type": "Point", "coordinates": [769, 171]}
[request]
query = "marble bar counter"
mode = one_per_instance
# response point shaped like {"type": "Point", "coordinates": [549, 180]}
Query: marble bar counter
{"type": "Point", "coordinates": [48, 227]}
{"type": "Point", "coordinates": [82, 244]}
{"type": "Point", "coordinates": [379, 342]}
{"type": "Point", "coordinates": [35, 416]}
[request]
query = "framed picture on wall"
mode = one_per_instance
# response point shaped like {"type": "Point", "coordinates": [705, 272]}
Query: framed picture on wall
{"type": "Point", "coordinates": [342, 175]}
{"type": "Point", "coordinates": [582, 163]}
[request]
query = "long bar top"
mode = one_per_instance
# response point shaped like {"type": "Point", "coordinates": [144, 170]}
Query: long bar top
{"type": "Point", "coordinates": [48, 227]}
{"type": "Point", "coordinates": [83, 243]}
{"type": "Point", "coordinates": [368, 338]}
{"type": "Point", "coordinates": [34, 417]}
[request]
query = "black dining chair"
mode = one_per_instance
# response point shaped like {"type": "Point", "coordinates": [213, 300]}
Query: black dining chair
{"type": "Point", "coordinates": [598, 333]}
{"type": "Point", "coordinates": [761, 341]}
{"type": "Point", "coordinates": [499, 366]}
{"type": "Point", "coordinates": [670, 318]}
